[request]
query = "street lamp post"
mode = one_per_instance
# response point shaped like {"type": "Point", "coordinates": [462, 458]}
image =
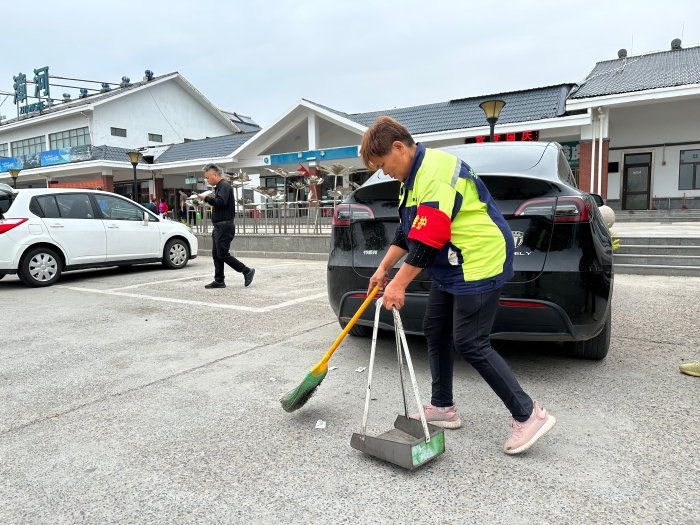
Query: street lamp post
{"type": "Point", "coordinates": [14, 173]}
{"type": "Point", "coordinates": [492, 108]}
{"type": "Point", "coordinates": [134, 158]}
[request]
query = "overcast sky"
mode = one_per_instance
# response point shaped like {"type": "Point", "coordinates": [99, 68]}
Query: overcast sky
{"type": "Point", "coordinates": [260, 57]}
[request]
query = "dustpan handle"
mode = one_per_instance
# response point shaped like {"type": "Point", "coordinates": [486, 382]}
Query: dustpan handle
{"type": "Point", "coordinates": [375, 331]}
{"type": "Point", "coordinates": [398, 325]}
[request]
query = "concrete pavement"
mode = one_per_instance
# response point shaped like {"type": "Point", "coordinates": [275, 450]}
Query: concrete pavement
{"type": "Point", "coordinates": [138, 397]}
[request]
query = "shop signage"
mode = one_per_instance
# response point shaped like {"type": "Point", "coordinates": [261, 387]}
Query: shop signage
{"type": "Point", "coordinates": [317, 155]}
{"type": "Point", "coordinates": [47, 158]}
{"type": "Point", "coordinates": [30, 108]}
{"type": "Point", "coordinates": [572, 152]}
{"type": "Point", "coordinates": [520, 136]}
{"type": "Point", "coordinates": [191, 180]}
{"type": "Point", "coordinates": [41, 87]}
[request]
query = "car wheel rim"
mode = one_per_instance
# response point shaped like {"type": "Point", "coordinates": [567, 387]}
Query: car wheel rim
{"type": "Point", "coordinates": [43, 267]}
{"type": "Point", "coordinates": [178, 254]}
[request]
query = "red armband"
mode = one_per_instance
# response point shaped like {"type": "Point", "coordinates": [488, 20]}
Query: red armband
{"type": "Point", "coordinates": [431, 226]}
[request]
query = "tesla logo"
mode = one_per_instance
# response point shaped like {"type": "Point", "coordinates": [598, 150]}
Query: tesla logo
{"type": "Point", "coordinates": [518, 239]}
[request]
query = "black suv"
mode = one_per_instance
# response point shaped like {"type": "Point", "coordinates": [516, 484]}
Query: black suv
{"type": "Point", "coordinates": [563, 282]}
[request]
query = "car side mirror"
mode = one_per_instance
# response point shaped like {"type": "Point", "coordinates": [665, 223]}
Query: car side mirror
{"type": "Point", "coordinates": [145, 218]}
{"type": "Point", "coordinates": [598, 199]}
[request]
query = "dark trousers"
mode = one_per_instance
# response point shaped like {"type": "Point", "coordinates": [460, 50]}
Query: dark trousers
{"type": "Point", "coordinates": [463, 322]}
{"type": "Point", "coordinates": [222, 236]}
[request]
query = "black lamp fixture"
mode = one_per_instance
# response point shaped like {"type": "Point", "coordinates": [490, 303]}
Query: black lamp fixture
{"type": "Point", "coordinates": [14, 173]}
{"type": "Point", "coordinates": [492, 108]}
{"type": "Point", "coordinates": [134, 157]}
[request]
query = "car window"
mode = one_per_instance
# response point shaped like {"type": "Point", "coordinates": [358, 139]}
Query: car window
{"type": "Point", "coordinates": [75, 206]}
{"type": "Point", "coordinates": [118, 209]}
{"type": "Point", "coordinates": [48, 205]}
{"type": "Point", "coordinates": [564, 171]}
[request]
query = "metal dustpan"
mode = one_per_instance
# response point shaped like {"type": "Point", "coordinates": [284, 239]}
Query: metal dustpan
{"type": "Point", "coordinates": [411, 443]}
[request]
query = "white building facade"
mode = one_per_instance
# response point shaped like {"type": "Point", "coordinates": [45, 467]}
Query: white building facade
{"type": "Point", "coordinates": [83, 142]}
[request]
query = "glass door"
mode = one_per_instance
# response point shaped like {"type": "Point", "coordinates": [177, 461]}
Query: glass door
{"type": "Point", "coordinates": [636, 183]}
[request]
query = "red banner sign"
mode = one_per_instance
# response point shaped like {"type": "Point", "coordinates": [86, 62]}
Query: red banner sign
{"type": "Point", "coordinates": [520, 136]}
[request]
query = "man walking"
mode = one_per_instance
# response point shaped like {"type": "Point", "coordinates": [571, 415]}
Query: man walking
{"type": "Point", "coordinates": [450, 226]}
{"type": "Point", "coordinates": [151, 206]}
{"type": "Point", "coordinates": [222, 219]}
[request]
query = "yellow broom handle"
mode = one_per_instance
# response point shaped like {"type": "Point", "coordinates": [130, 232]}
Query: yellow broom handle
{"type": "Point", "coordinates": [349, 326]}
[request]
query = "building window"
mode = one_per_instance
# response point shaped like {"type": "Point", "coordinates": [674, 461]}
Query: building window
{"type": "Point", "coordinates": [118, 132]}
{"type": "Point", "coordinates": [154, 137]}
{"type": "Point", "coordinates": [4, 152]}
{"type": "Point", "coordinates": [689, 176]}
{"type": "Point", "coordinates": [28, 146]}
{"type": "Point", "coordinates": [67, 139]}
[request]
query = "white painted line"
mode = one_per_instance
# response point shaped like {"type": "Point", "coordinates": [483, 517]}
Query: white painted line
{"type": "Point", "coordinates": [200, 303]}
{"type": "Point", "coordinates": [132, 286]}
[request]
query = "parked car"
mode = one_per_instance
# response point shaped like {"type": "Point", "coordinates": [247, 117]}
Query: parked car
{"type": "Point", "coordinates": [563, 282]}
{"type": "Point", "coordinates": [44, 232]}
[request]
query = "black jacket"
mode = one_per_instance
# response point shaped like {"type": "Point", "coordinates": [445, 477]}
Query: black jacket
{"type": "Point", "coordinates": [223, 202]}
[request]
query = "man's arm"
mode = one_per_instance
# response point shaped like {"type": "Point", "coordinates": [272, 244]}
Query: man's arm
{"type": "Point", "coordinates": [220, 198]}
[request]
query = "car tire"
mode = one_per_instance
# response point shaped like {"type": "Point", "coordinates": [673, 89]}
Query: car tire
{"type": "Point", "coordinates": [595, 348]}
{"type": "Point", "coordinates": [176, 254]}
{"type": "Point", "coordinates": [357, 330]}
{"type": "Point", "coordinates": [40, 267]}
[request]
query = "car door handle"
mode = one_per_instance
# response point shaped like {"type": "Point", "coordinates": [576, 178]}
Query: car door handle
{"type": "Point", "coordinates": [112, 226]}
{"type": "Point", "coordinates": [57, 225]}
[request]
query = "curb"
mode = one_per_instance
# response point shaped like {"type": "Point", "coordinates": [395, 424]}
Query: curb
{"type": "Point", "coordinates": [271, 255]}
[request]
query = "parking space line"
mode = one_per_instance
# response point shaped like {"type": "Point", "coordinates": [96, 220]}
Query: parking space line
{"type": "Point", "coordinates": [192, 277]}
{"type": "Point", "coordinates": [200, 303]}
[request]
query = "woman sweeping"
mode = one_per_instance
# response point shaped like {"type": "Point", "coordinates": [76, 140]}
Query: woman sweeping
{"type": "Point", "coordinates": [451, 227]}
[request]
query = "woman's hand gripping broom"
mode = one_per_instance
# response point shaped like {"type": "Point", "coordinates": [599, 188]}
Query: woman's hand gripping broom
{"type": "Point", "coordinates": [298, 397]}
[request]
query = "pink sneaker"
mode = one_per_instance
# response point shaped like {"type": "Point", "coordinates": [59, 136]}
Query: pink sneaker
{"type": "Point", "coordinates": [440, 417]}
{"type": "Point", "coordinates": [524, 435]}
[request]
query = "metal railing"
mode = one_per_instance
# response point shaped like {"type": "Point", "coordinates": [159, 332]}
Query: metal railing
{"type": "Point", "coordinates": [276, 218]}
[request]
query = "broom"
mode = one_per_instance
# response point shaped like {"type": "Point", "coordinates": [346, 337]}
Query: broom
{"type": "Point", "coordinates": [298, 397]}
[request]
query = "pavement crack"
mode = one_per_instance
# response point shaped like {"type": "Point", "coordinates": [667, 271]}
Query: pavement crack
{"type": "Point", "coordinates": [160, 380]}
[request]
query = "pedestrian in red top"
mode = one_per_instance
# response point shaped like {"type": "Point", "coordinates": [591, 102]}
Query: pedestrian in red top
{"type": "Point", "coordinates": [163, 207]}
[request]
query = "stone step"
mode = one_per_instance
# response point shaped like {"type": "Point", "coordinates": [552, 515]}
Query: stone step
{"type": "Point", "coordinates": [658, 260]}
{"type": "Point", "coordinates": [648, 249]}
{"type": "Point", "coordinates": [658, 241]}
{"type": "Point", "coordinates": [647, 269]}
{"type": "Point", "coordinates": [658, 216]}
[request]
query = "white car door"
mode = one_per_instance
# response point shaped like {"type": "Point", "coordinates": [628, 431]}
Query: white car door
{"type": "Point", "coordinates": [128, 237]}
{"type": "Point", "coordinates": [73, 223]}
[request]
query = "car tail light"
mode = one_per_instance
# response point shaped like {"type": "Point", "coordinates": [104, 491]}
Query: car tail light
{"type": "Point", "coordinates": [564, 209]}
{"type": "Point", "coordinates": [536, 207]}
{"type": "Point", "coordinates": [364, 295]}
{"type": "Point", "coordinates": [344, 213]}
{"type": "Point", "coordinates": [570, 209]}
{"type": "Point", "coordinates": [522, 304]}
{"type": "Point", "coordinates": [7, 224]}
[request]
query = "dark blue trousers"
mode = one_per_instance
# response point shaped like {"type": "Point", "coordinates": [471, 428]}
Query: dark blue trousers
{"type": "Point", "coordinates": [463, 322]}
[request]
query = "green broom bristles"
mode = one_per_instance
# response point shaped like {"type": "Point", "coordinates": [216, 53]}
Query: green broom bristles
{"type": "Point", "coordinates": [297, 398]}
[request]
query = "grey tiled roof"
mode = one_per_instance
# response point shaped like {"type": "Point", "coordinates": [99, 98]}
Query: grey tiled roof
{"type": "Point", "coordinates": [111, 153]}
{"type": "Point", "coordinates": [521, 106]}
{"type": "Point", "coordinates": [637, 73]}
{"type": "Point", "coordinates": [205, 148]}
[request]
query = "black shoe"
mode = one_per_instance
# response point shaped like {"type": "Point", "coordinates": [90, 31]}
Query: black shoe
{"type": "Point", "coordinates": [215, 284]}
{"type": "Point", "coordinates": [249, 276]}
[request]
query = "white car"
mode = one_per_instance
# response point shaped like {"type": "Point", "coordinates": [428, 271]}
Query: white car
{"type": "Point", "coordinates": [44, 232]}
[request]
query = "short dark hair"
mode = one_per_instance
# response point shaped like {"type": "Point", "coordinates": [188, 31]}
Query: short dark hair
{"type": "Point", "coordinates": [212, 167]}
{"type": "Point", "coordinates": [380, 136]}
